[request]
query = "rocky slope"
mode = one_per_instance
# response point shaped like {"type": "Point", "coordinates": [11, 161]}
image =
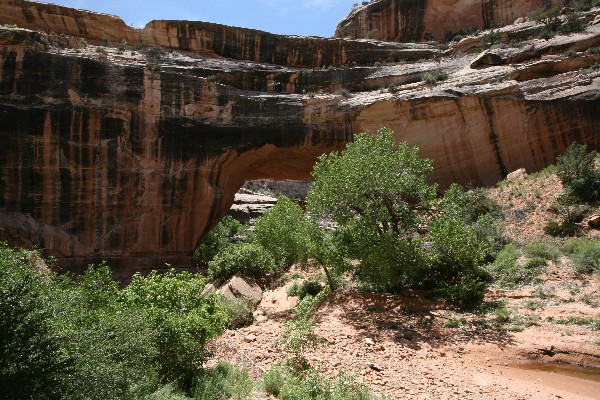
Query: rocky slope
{"type": "Point", "coordinates": [132, 154]}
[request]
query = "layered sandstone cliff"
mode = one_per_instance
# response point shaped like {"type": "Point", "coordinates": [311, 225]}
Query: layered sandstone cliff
{"type": "Point", "coordinates": [415, 20]}
{"type": "Point", "coordinates": [132, 155]}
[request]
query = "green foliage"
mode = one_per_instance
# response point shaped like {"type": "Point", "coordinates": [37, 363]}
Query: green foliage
{"type": "Point", "coordinates": [491, 38]}
{"type": "Point", "coordinates": [591, 322]}
{"type": "Point", "coordinates": [285, 232]}
{"type": "Point", "coordinates": [432, 77]}
{"type": "Point", "coordinates": [454, 270]}
{"type": "Point", "coordinates": [376, 192]}
{"type": "Point", "coordinates": [375, 185]}
{"type": "Point", "coordinates": [239, 312]}
{"type": "Point", "coordinates": [299, 334]}
{"type": "Point", "coordinates": [246, 258]}
{"type": "Point", "coordinates": [549, 16]}
{"type": "Point", "coordinates": [555, 228]}
{"type": "Point", "coordinates": [572, 23]}
{"type": "Point", "coordinates": [311, 286]}
{"type": "Point", "coordinates": [224, 382]}
{"type": "Point", "coordinates": [32, 365]}
{"type": "Point", "coordinates": [477, 210]}
{"type": "Point", "coordinates": [545, 250]}
{"type": "Point", "coordinates": [218, 238]}
{"type": "Point", "coordinates": [508, 272]}
{"type": "Point", "coordinates": [289, 384]}
{"type": "Point", "coordinates": [585, 254]}
{"type": "Point", "coordinates": [577, 171]}
{"type": "Point", "coordinates": [184, 320]}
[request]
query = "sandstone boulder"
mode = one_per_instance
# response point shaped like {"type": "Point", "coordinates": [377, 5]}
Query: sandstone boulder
{"type": "Point", "coordinates": [594, 221]}
{"type": "Point", "coordinates": [241, 287]}
{"type": "Point", "coordinates": [513, 176]}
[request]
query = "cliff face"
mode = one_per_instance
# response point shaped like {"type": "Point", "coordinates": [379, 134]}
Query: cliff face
{"type": "Point", "coordinates": [208, 39]}
{"type": "Point", "coordinates": [131, 157]}
{"type": "Point", "coordinates": [414, 20]}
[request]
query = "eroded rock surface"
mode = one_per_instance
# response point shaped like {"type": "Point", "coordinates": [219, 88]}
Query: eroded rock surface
{"type": "Point", "coordinates": [109, 153]}
{"type": "Point", "coordinates": [414, 20]}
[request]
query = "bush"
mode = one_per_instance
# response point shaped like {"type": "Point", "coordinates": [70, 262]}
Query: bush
{"type": "Point", "coordinates": [544, 250]}
{"type": "Point", "coordinates": [224, 381]}
{"type": "Point", "coordinates": [432, 77]}
{"type": "Point", "coordinates": [572, 23]}
{"type": "Point", "coordinates": [239, 312]}
{"type": "Point", "coordinates": [183, 320]}
{"type": "Point", "coordinates": [585, 254]}
{"type": "Point", "coordinates": [310, 287]}
{"type": "Point", "coordinates": [491, 38]}
{"type": "Point", "coordinates": [245, 258]}
{"type": "Point", "coordinates": [284, 231]}
{"type": "Point", "coordinates": [576, 169]}
{"type": "Point", "coordinates": [32, 363]}
{"type": "Point", "coordinates": [289, 384]}
{"type": "Point", "coordinates": [456, 256]}
{"type": "Point", "coordinates": [554, 228]}
{"type": "Point", "coordinates": [218, 238]}
{"type": "Point", "coordinates": [507, 272]}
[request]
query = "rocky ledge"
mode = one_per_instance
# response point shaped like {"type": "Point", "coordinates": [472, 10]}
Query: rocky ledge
{"type": "Point", "coordinates": [132, 153]}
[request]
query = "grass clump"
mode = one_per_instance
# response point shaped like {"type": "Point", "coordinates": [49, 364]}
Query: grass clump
{"type": "Point", "coordinates": [287, 383]}
{"type": "Point", "coordinates": [509, 272]}
{"type": "Point", "coordinates": [224, 381]}
{"type": "Point", "coordinates": [545, 250]}
{"type": "Point", "coordinates": [585, 254]}
{"type": "Point", "coordinates": [433, 77]}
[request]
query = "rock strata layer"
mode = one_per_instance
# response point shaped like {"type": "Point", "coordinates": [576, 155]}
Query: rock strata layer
{"type": "Point", "coordinates": [131, 155]}
{"type": "Point", "coordinates": [415, 20]}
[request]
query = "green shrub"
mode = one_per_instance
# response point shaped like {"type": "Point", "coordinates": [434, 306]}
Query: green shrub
{"type": "Point", "coordinates": [284, 231]}
{"type": "Point", "coordinates": [554, 228]}
{"type": "Point", "coordinates": [245, 258]}
{"type": "Point", "coordinates": [274, 380]}
{"type": "Point", "coordinates": [289, 384]}
{"type": "Point", "coordinates": [585, 254]}
{"type": "Point", "coordinates": [32, 363]}
{"type": "Point", "coordinates": [432, 77]}
{"type": "Point", "coordinates": [545, 250]}
{"type": "Point", "coordinates": [572, 23]}
{"type": "Point", "coordinates": [576, 169]}
{"type": "Point", "coordinates": [224, 381]}
{"type": "Point", "coordinates": [239, 312]}
{"type": "Point", "coordinates": [456, 256]}
{"type": "Point", "coordinates": [508, 272]}
{"type": "Point", "coordinates": [183, 320]}
{"type": "Point", "coordinates": [218, 238]}
{"type": "Point", "coordinates": [310, 286]}
{"type": "Point", "coordinates": [491, 38]}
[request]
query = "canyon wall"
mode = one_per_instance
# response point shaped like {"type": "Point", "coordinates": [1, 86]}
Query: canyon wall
{"type": "Point", "coordinates": [105, 157]}
{"type": "Point", "coordinates": [207, 39]}
{"type": "Point", "coordinates": [415, 20]}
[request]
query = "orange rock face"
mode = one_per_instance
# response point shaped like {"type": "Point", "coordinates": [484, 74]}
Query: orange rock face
{"type": "Point", "coordinates": [107, 156]}
{"type": "Point", "coordinates": [415, 20]}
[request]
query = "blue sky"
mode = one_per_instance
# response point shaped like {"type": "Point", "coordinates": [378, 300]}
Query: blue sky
{"type": "Point", "coordinates": [298, 17]}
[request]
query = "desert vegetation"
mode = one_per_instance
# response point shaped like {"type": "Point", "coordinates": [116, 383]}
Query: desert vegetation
{"type": "Point", "coordinates": [373, 223]}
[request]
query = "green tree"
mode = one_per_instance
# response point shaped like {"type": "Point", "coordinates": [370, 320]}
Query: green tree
{"type": "Point", "coordinates": [32, 365]}
{"type": "Point", "coordinates": [576, 169]}
{"type": "Point", "coordinates": [376, 192]}
{"type": "Point", "coordinates": [218, 238]}
{"type": "Point", "coordinates": [375, 184]}
{"type": "Point", "coordinates": [284, 232]}
{"type": "Point", "coordinates": [183, 320]}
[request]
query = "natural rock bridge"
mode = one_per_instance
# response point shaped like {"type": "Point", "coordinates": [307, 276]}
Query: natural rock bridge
{"type": "Point", "coordinates": [103, 157]}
